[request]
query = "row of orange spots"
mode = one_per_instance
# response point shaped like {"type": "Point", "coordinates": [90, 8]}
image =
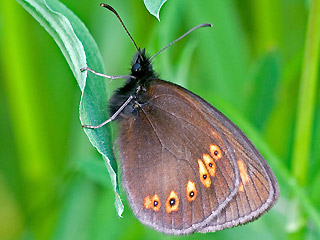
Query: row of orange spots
{"type": "Point", "coordinates": [208, 165]}
{"type": "Point", "coordinates": [243, 174]}
{"type": "Point", "coordinates": [207, 168]}
{"type": "Point", "coordinates": [172, 203]}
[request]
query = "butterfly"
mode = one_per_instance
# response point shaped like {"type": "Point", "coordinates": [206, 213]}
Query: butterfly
{"type": "Point", "coordinates": [185, 166]}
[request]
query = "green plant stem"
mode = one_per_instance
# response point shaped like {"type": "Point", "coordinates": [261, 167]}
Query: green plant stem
{"type": "Point", "coordinates": [306, 100]}
{"type": "Point", "coordinates": [305, 110]}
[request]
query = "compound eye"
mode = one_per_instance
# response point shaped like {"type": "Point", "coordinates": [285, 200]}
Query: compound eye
{"type": "Point", "coordinates": [136, 67]}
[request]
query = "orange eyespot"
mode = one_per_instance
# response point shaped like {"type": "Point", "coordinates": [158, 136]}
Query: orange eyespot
{"type": "Point", "coordinates": [172, 203]}
{"type": "Point", "coordinates": [210, 164]}
{"type": "Point", "coordinates": [203, 174]}
{"type": "Point", "coordinates": [215, 151]}
{"type": "Point", "coordinates": [191, 191]}
{"type": "Point", "coordinates": [153, 202]}
{"type": "Point", "coordinates": [243, 172]}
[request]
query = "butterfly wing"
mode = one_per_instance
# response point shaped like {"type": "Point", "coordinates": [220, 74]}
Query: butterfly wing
{"type": "Point", "coordinates": [258, 189]}
{"type": "Point", "coordinates": [172, 181]}
{"type": "Point", "coordinates": [191, 175]}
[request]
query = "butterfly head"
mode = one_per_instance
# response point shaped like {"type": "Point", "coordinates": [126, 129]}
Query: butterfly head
{"type": "Point", "coordinates": [141, 66]}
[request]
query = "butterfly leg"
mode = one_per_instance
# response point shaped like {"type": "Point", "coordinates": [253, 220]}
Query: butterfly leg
{"type": "Point", "coordinates": [113, 116]}
{"type": "Point", "coordinates": [104, 75]}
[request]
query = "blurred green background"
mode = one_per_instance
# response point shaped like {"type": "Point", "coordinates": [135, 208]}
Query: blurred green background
{"type": "Point", "coordinates": [53, 183]}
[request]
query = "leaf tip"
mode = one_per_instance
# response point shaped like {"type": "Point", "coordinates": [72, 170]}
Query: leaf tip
{"type": "Point", "coordinates": [154, 7]}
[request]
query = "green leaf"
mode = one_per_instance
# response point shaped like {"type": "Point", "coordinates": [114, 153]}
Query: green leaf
{"type": "Point", "coordinates": [154, 7]}
{"type": "Point", "coordinates": [94, 170]}
{"type": "Point", "coordinates": [80, 50]}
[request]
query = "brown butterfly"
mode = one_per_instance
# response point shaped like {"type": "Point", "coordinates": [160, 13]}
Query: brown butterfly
{"type": "Point", "coordinates": [185, 166]}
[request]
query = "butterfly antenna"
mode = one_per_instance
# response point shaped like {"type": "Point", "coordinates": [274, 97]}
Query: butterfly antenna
{"type": "Point", "coordinates": [190, 31]}
{"type": "Point", "coordinates": [115, 12]}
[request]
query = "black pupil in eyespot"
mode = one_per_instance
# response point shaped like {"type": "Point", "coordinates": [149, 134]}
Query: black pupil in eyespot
{"type": "Point", "coordinates": [204, 176]}
{"type": "Point", "coordinates": [155, 203]}
{"type": "Point", "coordinates": [216, 152]}
{"type": "Point", "coordinates": [191, 194]}
{"type": "Point", "coordinates": [136, 67]}
{"type": "Point", "coordinates": [172, 202]}
{"type": "Point", "coordinates": [210, 164]}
